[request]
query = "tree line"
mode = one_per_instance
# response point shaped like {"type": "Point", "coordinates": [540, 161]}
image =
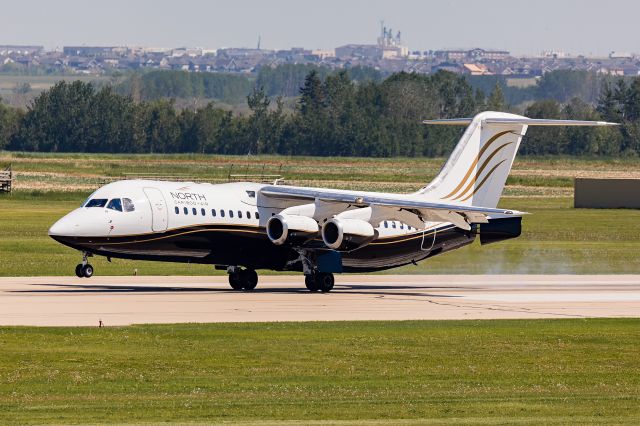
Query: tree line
{"type": "Point", "coordinates": [334, 115]}
{"type": "Point", "coordinates": [283, 80]}
{"type": "Point", "coordinates": [286, 79]}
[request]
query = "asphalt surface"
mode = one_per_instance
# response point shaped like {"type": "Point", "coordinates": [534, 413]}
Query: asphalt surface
{"type": "Point", "coordinates": [62, 301]}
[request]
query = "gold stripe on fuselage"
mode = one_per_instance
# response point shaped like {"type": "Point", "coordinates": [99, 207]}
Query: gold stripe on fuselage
{"type": "Point", "coordinates": [411, 236]}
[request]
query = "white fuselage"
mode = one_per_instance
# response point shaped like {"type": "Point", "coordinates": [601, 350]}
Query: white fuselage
{"type": "Point", "coordinates": [160, 206]}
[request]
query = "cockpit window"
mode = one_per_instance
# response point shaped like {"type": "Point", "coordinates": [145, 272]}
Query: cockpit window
{"type": "Point", "coordinates": [128, 205]}
{"type": "Point", "coordinates": [115, 204]}
{"type": "Point", "coordinates": [96, 202]}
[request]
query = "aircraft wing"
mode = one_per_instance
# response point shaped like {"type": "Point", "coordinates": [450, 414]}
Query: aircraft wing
{"type": "Point", "coordinates": [457, 214]}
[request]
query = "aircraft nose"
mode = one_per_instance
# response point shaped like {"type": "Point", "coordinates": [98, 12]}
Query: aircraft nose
{"type": "Point", "coordinates": [67, 226]}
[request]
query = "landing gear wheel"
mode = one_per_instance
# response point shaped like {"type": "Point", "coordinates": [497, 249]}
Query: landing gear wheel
{"type": "Point", "coordinates": [87, 271]}
{"type": "Point", "coordinates": [235, 280]}
{"type": "Point", "coordinates": [245, 279]}
{"type": "Point", "coordinates": [324, 281]}
{"type": "Point", "coordinates": [310, 282]}
{"type": "Point", "coordinates": [249, 279]}
{"type": "Point", "coordinates": [79, 273]}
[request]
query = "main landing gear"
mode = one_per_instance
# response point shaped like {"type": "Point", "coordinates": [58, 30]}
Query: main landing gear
{"type": "Point", "coordinates": [84, 269]}
{"type": "Point", "coordinates": [319, 281]}
{"type": "Point", "coordinates": [242, 279]}
{"type": "Point", "coordinates": [313, 279]}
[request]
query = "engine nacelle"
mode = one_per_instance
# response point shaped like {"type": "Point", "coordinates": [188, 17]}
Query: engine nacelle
{"type": "Point", "coordinates": [293, 229]}
{"type": "Point", "coordinates": [347, 234]}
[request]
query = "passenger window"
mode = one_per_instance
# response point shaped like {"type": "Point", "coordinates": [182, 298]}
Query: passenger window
{"type": "Point", "coordinates": [386, 225]}
{"type": "Point", "coordinates": [186, 210]}
{"type": "Point", "coordinates": [97, 202]}
{"type": "Point", "coordinates": [127, 204]}
{"type": "Point", "coordinates": [221, 213]}
{"type": "Point", "coordinates": [115, 204]}
{"type": "Point", "coordinates": [194, 211]}
{"type": "Point", "coordinates": [202, 212]}
{"type": "Point", "coordinates": [248, 215]}
{"type": "Point", "coordinates": [402, 226]}
{"type": "Point", "coordinates": [239, 214]}
{"type": "Point", "coordinates": [213, 212]}
{"type": "Point", "coordinates": [257, 215]}
{"type": "Point", "coordinates": [177, 210]}
{"type": "Point", "coordinates": [393, 225]}
{"type": "Point", "coordinates": [230, 213]}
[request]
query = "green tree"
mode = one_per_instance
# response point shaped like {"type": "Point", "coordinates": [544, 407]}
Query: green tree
{"type": "Point", "coordinates": [259, 124]}
{"type": "Point", "coordinates": [496, 99]}
{"type": "Point", "coordinates": [10, 119]}
{"type": "Point", "coordinates": [162, 129]}
{"type": "Point", "coordinates": [544, 140]}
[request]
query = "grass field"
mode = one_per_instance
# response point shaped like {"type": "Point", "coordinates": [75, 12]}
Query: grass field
{"type": "Point", "coordinates": [72, 172]}
{"type": "Point", "coordinates": [43, 82]}
{"type": "Point", "coordinates": [485, 372]}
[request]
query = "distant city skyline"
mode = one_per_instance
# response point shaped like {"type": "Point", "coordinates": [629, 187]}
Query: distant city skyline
{"type": "Point", "coordinates": [572, 26]}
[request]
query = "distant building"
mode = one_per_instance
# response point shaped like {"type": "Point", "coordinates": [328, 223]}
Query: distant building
{"type": "Point", "coordinates": [620, 55]}
{"type": "Point", "coordinates": [450, 55]}
{"type": "Point", "coordinates": [473, 54]}
{"type": "Point", "coordinates": [364, 51]}
{"type": "Point", "coordinates": [324, 54]}
{"type": "Point", "coordinates": [476, 69]}
{"type": "Point", "coordinates": [237, 52]}
{"type": "Point", "coordinates": [488, 55]}
{"type": "Point", "coordinates": [95, 51]}
{"type": "Point", "coordinates": [556, 54]}
{"type": "Point", "coordinates": [391, 44]}
{"type": "Point", "coordinates": [6, 50]}
{"type": "Point", "coordinates": [187, 51]}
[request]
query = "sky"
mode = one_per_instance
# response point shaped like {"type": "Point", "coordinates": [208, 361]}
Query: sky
{"type": "Point", "coordinates": [587, 27]}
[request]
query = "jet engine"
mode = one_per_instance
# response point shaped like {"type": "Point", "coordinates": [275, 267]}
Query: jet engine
{"type": "Point", "coordinates": [347, 234]}
{"type": "Point", "coordinates": [293, 229]}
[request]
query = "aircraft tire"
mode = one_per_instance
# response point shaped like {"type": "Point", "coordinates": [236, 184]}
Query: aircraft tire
{"type": "Point", "coordinates": [325, 282]}
{"type": "Point", "coordinates": [311, 282]}
{"type": "Point", "coordinates": [87, 270]}
{"type": "Point", "coordinates": [235, 280]}
{"type": "Point", "coordinates": [249, 279]}
{"type": "Point", "coordinates": [79, 273]}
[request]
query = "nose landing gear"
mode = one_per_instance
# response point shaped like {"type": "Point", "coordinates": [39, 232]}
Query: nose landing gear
{"type": "Point", "coordinates": [84, 269]}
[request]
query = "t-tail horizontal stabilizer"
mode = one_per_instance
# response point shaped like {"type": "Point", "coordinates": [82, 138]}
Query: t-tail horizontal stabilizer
{"type": "Point", "coordinates": [477, 170]}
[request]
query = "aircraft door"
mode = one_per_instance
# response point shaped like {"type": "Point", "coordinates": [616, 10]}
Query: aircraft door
{"type": "Point", "coordinates": [159, 212]}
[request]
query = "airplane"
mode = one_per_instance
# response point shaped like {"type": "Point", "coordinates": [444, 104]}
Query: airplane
{"type": "Point", "coordinates": [245, 226]}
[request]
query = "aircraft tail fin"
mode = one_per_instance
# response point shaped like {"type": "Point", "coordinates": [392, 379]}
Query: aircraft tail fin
{"type": "Point", "coordinates": [476, 172]}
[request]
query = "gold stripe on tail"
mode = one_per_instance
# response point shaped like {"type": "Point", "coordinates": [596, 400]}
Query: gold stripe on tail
{"type": "Point", "coordinates": [493, 169]}
{"type": "Point", "coordinates": [475, 162]}
{"type": "Point", "coordinates": [486, 162]}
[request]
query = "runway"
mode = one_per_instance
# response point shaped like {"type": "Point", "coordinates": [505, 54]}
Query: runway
{"type": "Point", "coordinates": [61, 301]}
